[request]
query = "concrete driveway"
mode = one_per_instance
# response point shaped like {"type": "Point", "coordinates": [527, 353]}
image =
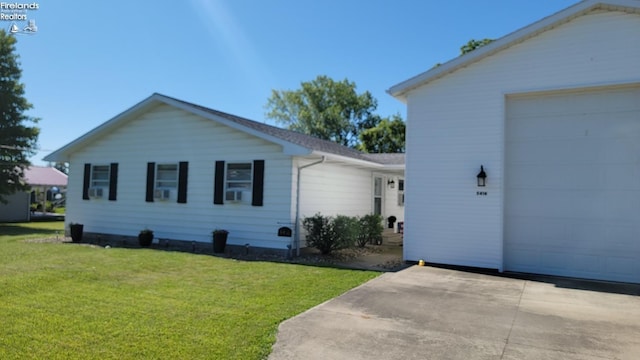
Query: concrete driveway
{"type": "Point", "coordinates": [433, 313]}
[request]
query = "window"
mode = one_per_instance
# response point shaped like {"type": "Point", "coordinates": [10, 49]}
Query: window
{"type": "Point", "coordinates": [400, 192]}
{"type": "Point", "coordinates": [100, 180]}
{"type": "Point", "coordinates": [377, 196]}
{"type": "Point", "coordinates": [239, 176]}
{"type": "Point", "coordinates": [167, 176]}
{"type": "Point", "coordinates": [231, 180]}
{"type": "Point", "coordinates": [100, 176]}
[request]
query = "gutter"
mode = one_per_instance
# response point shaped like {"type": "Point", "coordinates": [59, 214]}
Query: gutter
{"type": "Point", "coordinates": [296, 239]}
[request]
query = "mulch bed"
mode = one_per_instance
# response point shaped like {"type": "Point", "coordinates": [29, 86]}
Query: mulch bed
{"type": "Point", "coordinates": [340, 258]}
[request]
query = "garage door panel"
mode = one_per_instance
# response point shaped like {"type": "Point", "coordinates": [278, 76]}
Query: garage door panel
{"type": "Point", "coordinates": [622, 176]}
{"type": "Point", "coordinates": [622, 205]}
{"type": "Point", "coordinates": [622, 265]}
{"type": "Point", "coordinates": [572, 184]}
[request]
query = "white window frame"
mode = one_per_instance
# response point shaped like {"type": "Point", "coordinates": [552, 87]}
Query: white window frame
{"type": "Point", "coordinates": [401, 192]}
{"type": "Point", "coordinates": [100, 183]}
{"type": "Point", "coordinates": [229, 184]}
{"type": "Point", "coordinates": [167, 184]}
{"type": "Point", "coordinates": [379, 196]}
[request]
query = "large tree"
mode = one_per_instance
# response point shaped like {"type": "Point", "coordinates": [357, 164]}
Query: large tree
{"type": "Point", "coordinates": [386, 137]}
{"type": "Point", "coordinates": [17, 138]}
{"type": "Point", "coordinates": [324, 108]}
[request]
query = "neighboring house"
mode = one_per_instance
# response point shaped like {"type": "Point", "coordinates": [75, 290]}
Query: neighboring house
{"type": "Point", "coordinates": [552, 112]}
{"type": "Point", "coordinates": [184, 170]}
{"type": "Point", "coordinates": [44, 183]}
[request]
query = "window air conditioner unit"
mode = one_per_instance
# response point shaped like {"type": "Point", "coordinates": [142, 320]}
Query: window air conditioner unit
{"type": "Point", "coordinates": [233, 195]}
{"type": "Point", "coordinates": [162, 194]}
{"type": "Point", "coordinates": [96, 192]}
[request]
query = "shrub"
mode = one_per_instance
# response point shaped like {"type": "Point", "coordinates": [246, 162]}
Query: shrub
{"type": "Point", "coordinates": [346, 229]}
{"type": "Point", "coordinates": [370, 230]}
{"type": "Point", "coordinates": [328, 234]}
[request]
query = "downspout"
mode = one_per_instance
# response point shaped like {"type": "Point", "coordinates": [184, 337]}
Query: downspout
{"type": "Point", "coordinates": [296, 241]}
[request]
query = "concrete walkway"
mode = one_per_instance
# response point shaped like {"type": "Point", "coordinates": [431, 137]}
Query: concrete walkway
{"type": "Point", "coordinates": [432, 313]}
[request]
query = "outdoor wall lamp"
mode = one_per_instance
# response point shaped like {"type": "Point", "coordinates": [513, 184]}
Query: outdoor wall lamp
{"type": "Point", "coordinates": [482, 177]}
{"type": "Point", "coordinates": [391, 183]}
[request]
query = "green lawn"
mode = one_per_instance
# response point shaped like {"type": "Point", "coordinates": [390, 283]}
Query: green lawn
{"type": "Point", "coordinates": [70, 301]}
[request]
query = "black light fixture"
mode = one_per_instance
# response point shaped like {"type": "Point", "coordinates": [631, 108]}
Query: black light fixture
{"type": "Point", "coordinates": [482, 177]}
{"type": "Point", "coordinates": [391, 183]}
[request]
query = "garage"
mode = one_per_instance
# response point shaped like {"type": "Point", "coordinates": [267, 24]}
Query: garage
{"type": "Point", "coordinates": [572, 183]}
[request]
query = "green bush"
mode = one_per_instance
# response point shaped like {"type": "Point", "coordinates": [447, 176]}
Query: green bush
{"type": "Point", "coordinates": [345, 230]}
{"type": "Point", "coordinates": [38, 206]}
{"type": "Point", "coordinates": [320, 234]}
{"type": "Point", "coordinates": [370, 230]}
{"type": "Point", "coordinates": [328, 234]}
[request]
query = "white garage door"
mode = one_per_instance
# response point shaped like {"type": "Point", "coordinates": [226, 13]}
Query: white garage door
{"type": "Point", "coordinates": [572, 176]}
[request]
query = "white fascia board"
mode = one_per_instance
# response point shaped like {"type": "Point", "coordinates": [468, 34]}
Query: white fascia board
{"type": "Point", "coordinates": [349, 160]}
{"type": "Point", "coordinates": [400, 90]}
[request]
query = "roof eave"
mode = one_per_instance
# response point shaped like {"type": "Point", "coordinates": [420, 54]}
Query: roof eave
{"type": "Point", "coordinates": [63, 154]}
{"type": "Point", "coordinates": [350, 160]}
{"type": "Point", "coordinates": [401, 90]}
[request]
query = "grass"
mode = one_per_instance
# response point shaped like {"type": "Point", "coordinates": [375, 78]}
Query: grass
{"type": "Point", "coordinates": [70, 301]}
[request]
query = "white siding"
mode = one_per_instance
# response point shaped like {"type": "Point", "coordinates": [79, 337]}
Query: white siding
{"type": "Point", "coordinates": [334, 188]}
{"type": "Point", "coordinates": [169, 135]}
{"type": "Point", "coordinates": [456, 123]}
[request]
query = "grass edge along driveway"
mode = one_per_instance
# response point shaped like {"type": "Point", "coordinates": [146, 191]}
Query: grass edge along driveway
{"type": "Point", "coordinates": [72, 301]}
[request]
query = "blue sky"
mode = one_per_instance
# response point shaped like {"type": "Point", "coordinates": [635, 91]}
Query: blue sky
{"type": "Point", "coordinates": [90, 61]}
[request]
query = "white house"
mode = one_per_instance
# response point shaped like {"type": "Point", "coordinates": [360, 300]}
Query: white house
{"type": "Point", "coordinates": [552, 112]}
{"type": "Point", "coordinates": [183, 170]}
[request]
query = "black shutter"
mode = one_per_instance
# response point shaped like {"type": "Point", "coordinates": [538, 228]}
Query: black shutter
{"type": "Point", "coordinates": [151, 177]}
{"type": "Point", "coordinates": [86, 182]}
{"type": "Point", "coordinates": [113, 182]}
{"type": "Point", "coordinates": [258, 183]}
{"type": "Point", "coordinates": [183, 171]}
{"type": "Point", "coordinates": [218, 187]}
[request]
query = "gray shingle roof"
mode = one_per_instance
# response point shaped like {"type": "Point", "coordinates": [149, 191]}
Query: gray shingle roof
{"type": "Point", "coordinates": [300, 139]}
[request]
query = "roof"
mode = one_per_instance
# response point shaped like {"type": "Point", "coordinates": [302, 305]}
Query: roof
{"type": "Point", "coordinates": [48, 176]}
{"type": "Point", "coordinates": [387, 159]}
{"type": "Point", "coordinates": [400, 90]}
{"type": "Point", "coordinates": [294, 143]}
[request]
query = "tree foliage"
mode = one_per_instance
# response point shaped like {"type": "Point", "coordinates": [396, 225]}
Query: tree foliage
{"type": "Point", "coordinates": [17, 139]}
{"type": "Point", "coordinates": [325, 108]}
{"type": "Point", "coordinates": [387, 137]}
{"type": "Point", "coordinates": [61, 166]}
{"type": "Point", "coordinates": [474, 44]}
